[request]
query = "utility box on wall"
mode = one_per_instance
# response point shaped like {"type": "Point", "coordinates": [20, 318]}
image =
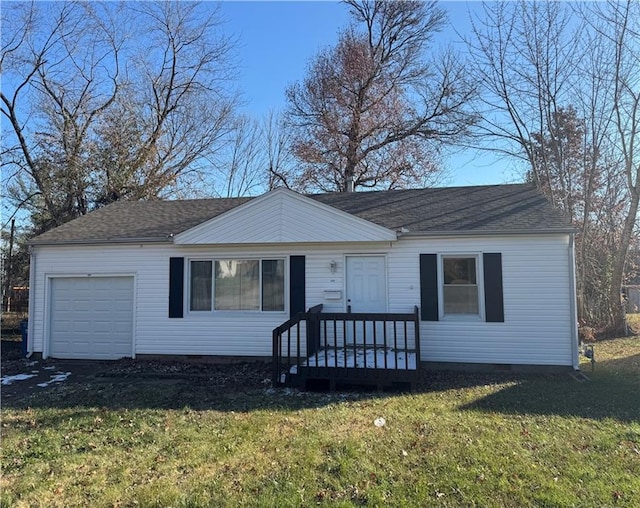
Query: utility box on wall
{"type": "Point", "coordinates": [332, 294]}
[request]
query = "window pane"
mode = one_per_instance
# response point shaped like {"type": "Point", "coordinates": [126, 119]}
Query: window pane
{"type": "Point", "coordinates": [460, 286]}
{"type": "Point", "coordinates": [459, 270]}
{"type": "Point", "coordinates": [461, 299]}
{"type": "Point", "coordinates": [200, 285]}
{"type": "Point", "coordinates": [273, 284]}
{"type": "Point", "coordinates": [237, 285]}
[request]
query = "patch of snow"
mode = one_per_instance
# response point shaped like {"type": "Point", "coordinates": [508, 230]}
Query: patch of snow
{"type": "Point", "coordinates": [7, 380]}
{"type": "Point", "coordinates": [50, 367]}
{"type": "Point", "coordinates": [361, 358]}
{"type": "Point", "coordinates": [32, 363]}
{"type": "Point", "coordinates": [58, 377]}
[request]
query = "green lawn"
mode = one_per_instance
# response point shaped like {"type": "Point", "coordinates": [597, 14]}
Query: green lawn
{"type": "Point", "coordinates": [464, 440]}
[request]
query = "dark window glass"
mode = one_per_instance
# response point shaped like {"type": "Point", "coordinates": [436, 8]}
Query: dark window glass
{"type": "Point", "coordinates": [200, 285]}
{"type": "Point", "coordinates": [273, 285]}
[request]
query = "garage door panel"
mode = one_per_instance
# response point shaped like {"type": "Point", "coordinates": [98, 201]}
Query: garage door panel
{"type": "Point", "coordinates": [60, 347]}
{"type": "Point", "coordinates": [65, 283]}
{"type": "Point", "coordinates": [102, 348]}
{"type": "Point", "coordinates": [83, 282]}
{"type": "Point", "coordinates": [82, 347]}
{"type": "Point", "coordinates": [103, 327]}
{"type": "Point", "coordinates": [91, 317]}
{"type": "Point", "coordinates": [82, 305]}
{"type": "Point", "coordinates": [119, 332]}
{"type": "Point", "coordinates": [63, 324]}
{"type": "Point", "coordinates": [122, 306]}
{"type": "Point", "coordinates": [62, 305]}
{"type": "Point", "coordinates": [121, 329]}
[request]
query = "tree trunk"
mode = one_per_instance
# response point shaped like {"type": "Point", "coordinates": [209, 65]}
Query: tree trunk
{"type": "Point", "coordinates": [617, 319]}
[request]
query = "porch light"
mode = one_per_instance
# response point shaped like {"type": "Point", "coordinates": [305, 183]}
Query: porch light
{"type": "Point", "coordinates": [333, 266]}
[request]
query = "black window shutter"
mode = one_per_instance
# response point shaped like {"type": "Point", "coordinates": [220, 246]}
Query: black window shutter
{"type": "Point", "coordinates": [176, 287]}
{"type": "Point", "coordinates": [429, 287]}
{"type": "Point", "coordinates": [296, 285]}
{"type": "Point", "coordinates": [493, 295]}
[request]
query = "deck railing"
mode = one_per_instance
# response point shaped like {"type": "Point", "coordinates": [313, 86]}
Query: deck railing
{"type": "Point", "coordinates": [361, 347]}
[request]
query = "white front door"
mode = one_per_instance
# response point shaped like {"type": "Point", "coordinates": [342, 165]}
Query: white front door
{"type": "Point", "coordinates": [366, 291]}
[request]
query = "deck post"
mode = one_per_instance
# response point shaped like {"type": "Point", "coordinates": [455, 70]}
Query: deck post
{"type": "Point", "coordinates": [313, 334]}
{"type": "Point", "coordinates": [313, 330]}
{"type": "Point", "coordinates": [275, 375]}
{"type": "Point", "coordinates": [416, 325]}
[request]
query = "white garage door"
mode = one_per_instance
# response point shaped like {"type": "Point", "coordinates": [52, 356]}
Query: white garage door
{"type": "Point", "coordinates": [91, 318]}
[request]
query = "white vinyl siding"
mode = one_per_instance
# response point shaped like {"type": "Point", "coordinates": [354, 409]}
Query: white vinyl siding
{"type": "Point", "coordinates": [283, 216]}
{"type": "Point", "coordinates": [537, 309]}
{"type": "Point", "coordinates": [536, 283]}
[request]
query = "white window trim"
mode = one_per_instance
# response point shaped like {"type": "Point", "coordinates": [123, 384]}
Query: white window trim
{"type": "Point", "coordinates": [213, 310]}
{"type": "Point", "coordinates": [479, 281]}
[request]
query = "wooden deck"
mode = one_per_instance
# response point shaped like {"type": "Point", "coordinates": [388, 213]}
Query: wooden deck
{"type": "Point", "coordinates": [352, 348]}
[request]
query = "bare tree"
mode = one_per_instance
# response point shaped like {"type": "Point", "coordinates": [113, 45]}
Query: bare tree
{"type": "Point", "coordinates": [281, 163]}
{"type": "Point", "coordinates": [256, 156]}
{"type": "Point", "coordinates": [240, 165]}
{"type": "Point", "coordinates": [551, 93]}
{"type": "Point", "coordinates": [110, 101]}
{"type": "Point", "coordinates": [374, 110]}
{"type": "Point", "coordinates": [523, 56]}
{"type": "Point", "coordinates": [65, 74]}
{"type": "Point", "coordinates": [619, 24]}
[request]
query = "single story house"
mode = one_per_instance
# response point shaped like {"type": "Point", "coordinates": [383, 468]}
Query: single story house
{"type": "Point", "coordinates": [491, 269]}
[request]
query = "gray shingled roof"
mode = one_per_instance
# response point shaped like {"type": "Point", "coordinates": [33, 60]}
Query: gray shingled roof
{"type": "Point", "coordinates": [480, 209]}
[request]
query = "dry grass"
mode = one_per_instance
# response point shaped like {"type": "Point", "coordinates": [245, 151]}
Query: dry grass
{"type": "Point", "coordinates": [466, 440]}
{"type": "Point", "coordinates": [633, 320]}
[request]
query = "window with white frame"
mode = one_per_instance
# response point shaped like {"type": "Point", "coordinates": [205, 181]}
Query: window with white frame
{"type": "Point", "coordinates": [237, 284]}
{"type": "Point", "coordinates": [460, 285]}
{"type": "Point", "coordinates": [200, 297]}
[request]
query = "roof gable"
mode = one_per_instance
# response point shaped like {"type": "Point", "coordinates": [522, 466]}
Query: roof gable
{"type": "Point", "coordinates": [283, 216]}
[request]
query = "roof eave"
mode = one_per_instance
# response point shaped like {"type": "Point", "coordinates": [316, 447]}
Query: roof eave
{"type": "Point", "coordinates": [102, 241]}
{"type": "Point", "coordinates": [491, 232]}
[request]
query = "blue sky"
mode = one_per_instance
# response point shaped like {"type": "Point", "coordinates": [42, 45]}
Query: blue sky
{"type": "Point", "coordinates": [277, 40]}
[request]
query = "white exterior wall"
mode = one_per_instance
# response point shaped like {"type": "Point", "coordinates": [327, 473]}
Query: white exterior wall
{"type": "Point", "coordinates": [536, 280]}
{"type": "Point", "coordinates": [537, 302]}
